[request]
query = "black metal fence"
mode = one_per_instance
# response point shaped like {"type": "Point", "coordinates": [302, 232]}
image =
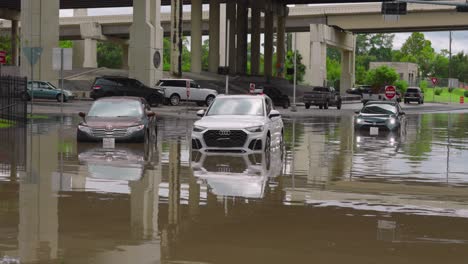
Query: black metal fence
{"type": "Point", "coordinates": [13, 103]}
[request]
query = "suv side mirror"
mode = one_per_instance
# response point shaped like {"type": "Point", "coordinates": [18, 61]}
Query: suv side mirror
{"type": "Point", "coordinates": [82, 115]}
{"type": "Point", "coordinates": [201, 113]}
{"type": "Point", "coordinates": [274, 113]}
{"type": "Point", "coordinates": [357, 112]}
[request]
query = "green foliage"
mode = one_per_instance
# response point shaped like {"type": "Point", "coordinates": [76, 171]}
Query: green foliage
{"type": "Point", "coordinates": [289, 64]}
{"type": "Point", "coordinates": [465, 93]}
{"type": "Point", "coordinates": [109, 55]}
{"type": "Point", "coordinates": [64, 44]}
{"type": "Point", "coordinates": [186, 56]}
{"type": "Point", "coordinates": [381, 76]}
{"type": "Point", "coordinates": [423, 85]}
{"type": "Point", "coordinates": [402, 85]}
{"type": "Point", "coordinates": [166, 54]}
{"type": "Point", "coordinates": [360, 74]}
{"type": "Point", "coordinates": [418, 50]}
{"type": "Point", "coordinates": [451, 89]}
{"type": "Point", "coordinates": [373, 47]}
{"type": "Point", "coordinates": [438, 91]}
{"type": "Point", "coordinates": [5, 44]}
{"type": "Point", "coordinates": [333, 71]}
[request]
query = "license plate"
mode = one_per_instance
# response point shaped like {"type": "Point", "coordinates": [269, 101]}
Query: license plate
{"type": "Point", "coordinates": [374, 131]}
{"type": "Point", "coordinates": [108, 143]}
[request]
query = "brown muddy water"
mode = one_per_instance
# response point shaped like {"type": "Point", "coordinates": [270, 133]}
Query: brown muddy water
{"type": "Point", "coordinates": [332, 195]}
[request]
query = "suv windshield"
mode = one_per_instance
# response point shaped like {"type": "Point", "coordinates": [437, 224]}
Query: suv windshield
{"type": "Point", "coordinates": [116, 108]}
{"type": "Point", "coordinates": [379, 109]}
{"type": "Point", "coordinates": [412, 90]}
{"type": "Point", "coordinates": [237, 106]}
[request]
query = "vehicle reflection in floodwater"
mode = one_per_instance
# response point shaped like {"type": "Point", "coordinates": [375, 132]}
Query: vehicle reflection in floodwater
{"type": "Point", "coordinates": [332, 196]}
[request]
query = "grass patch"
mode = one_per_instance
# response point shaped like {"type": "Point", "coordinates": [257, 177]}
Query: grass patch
{"type": "Point", "coordinates": [444, 96]}
{"type": "Point", "coordinates": [29, 116]}
{"type": "Point", "coordinates": [6, 123]}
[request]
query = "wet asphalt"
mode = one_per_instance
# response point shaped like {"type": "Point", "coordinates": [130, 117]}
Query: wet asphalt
{"type": "Point", "coordinates": [331, 195]}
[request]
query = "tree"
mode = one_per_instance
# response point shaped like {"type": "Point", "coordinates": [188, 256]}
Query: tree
{"type": "Point", "coordinates": [418, 50]}
{"type": "Point", "coordinates": [289, 64]}
{"type": "Point", "coordinates": [109, 55]}
{"type": "Point", "coordinates": [333, 71]}
{"type": "Point", "coordinates": [5, 44]}
{"type": "Point", "coordinates": [381, 76]}
{"type": "Point", "coordinates": [373, 47]}
{"type": "Point", "coordinates": [66, 44]}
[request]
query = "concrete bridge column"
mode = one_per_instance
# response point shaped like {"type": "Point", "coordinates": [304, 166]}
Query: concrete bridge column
{"type": "Point", "coordinates": [78, 53]}
{"type": "Point", "coordinates": [146, 38]}
{"type": "Point", "coordinates": [347, 70]}
{"type": "Point", "coordinates": [14, 43]}
{"type": "Point", "coordinates": [242, 28]}
{"type": "Point", "coordinates": [268, 47]}
{"type": "Point", "coordinates": [213, 54]}
{"type": "Point", "coordinates": [90, 53]}
{"type": "Point", "coordinates": [255, 41]}
{"type": "Point", "coordinates": [176, 37]}
{"type": "Point", "coordinates": [280, 41]}
{"type": "Point", "coordinates": [196, 36]}
{"type": "Point", "coordinates": [231, 16]}
{"type": "Point", "coordinates": [40, 28]}
{"type": "Point", "coordinates": [318, 55]}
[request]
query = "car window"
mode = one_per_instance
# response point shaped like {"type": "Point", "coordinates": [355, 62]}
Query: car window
{"type": "Point", "coordinates": [116, 108]}
{"type": "Point", "coordinates": [412, 90]}
{"type": "Point", "coordinates": [193, 85]}
{"type": "Point", "coordinates": [379, 109]}
{"type": "Point", "coordinates": [269, 105]}
{"type": "Point", "coordinates": [102, 81]}
{"type": "Point", "coordinates": [237, 106]}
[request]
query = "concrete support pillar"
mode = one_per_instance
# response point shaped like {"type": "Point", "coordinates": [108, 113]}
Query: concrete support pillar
{"type": "Point", "coordinates": [78, 53]}
{"type": "Point", "coordinates": [347, 70]}
{"type": "Point", "coordinates": [255, 42]}
{"type": "Point", "coordinates": [124, 57]}
{"type": "Point", "coordinates": [14, 43]}
{"type": "Point", "coordinates": [242, 31]}
{"type": "Point", "coordinates": [280, 42]}
{"type": "Point", "coordinates": [268, 47]}
{"type": "Point", "coordinates": [213, 55]}
{"type": "Point", "coordinates": [196, 36]}
{"type": "Point", "coordinates": [176, 38]}
{"type": "Point", "coordinates": [146, 42]}
{"type": "Point", "coordinates": [40, 28]}
{"type": "Point", "coordinates": [90, 53]}
{"type": "Point", "coordinates": [231, 16]}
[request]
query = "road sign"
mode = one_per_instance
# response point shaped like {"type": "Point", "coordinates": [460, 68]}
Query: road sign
{"type": "Point", "coordinates": [252, 87]}
{"type": "Point", "coordinates": [3, 57]}
{"type": "Point", "coordinates": [57, 59]}
{"type": "Point", "coordinates": [187, 85]}
{"type": "Point", "coordinates": [434, 80]}
{"type": "Point", "coordinates": [32, 54]}
{"type": "Point", "coordinates": [390, 92]}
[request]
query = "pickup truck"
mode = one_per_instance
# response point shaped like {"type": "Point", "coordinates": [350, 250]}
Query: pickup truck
{"type": "Point", "coordinates": [323, 97]}
{"type": "Point", "coordinates": [175, 90]}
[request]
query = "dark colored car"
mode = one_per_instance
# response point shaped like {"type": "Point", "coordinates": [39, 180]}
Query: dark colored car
{"type": "Point", "coordinates": [386, 115]}
{"type": "Point", "coordinates": [414, 94]}
{"type": "Point", "coordinates": [108, 86]}
{"type": "Point", "coordinates": [126, 119]}
{"type": "Point", "coordinates": [323, 97]}
{"type": "Point", "coordinates": [359, 90]}
{"type": "Point", "coordinates": [279, 99]}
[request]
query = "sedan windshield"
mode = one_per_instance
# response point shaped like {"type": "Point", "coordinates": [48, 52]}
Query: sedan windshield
{"type": "Point", "coordinates": [237, 106]}
{"type": "Point", "coordinates": [379, 109]}
{"type": "Point", "coordinates": [116, 109]}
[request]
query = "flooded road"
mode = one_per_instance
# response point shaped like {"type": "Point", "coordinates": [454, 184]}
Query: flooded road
{"type": "Point", "coordinates": [332, 195]}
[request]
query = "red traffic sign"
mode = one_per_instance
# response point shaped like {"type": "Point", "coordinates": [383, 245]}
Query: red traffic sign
{"type": "Point", "coordinates": [434, 80]}
{"type": "Point", "coordinates": [3, 57]}
{"type": "Point", "coordinates": [390, 92]}
{"type": "Point", "coordinates": [252, 87]}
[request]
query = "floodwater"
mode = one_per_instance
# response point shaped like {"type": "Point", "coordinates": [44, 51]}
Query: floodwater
{"type": "Point", "coordinates": [332, 195]}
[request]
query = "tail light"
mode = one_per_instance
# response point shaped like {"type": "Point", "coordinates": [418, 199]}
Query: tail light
{"type": "Point", "coordinates": [96, 87]}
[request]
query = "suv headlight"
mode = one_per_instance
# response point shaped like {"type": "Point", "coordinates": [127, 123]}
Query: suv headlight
{"type": "Point", "coordinates": [85, 129]}
{"type": "Point", "coordinates": [255, 129]}
{"type": "Point", "coordinates": [359, 120]}
{"type": "Point", "coordinates": [134, 129]}
{"type": "Point", "coordinates": [198, 129]}
{"type": "Point", "coordinates": [392, 121]}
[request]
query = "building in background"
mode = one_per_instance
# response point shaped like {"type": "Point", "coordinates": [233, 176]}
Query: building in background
{"type": "Point", "coordinates": [408, 71]}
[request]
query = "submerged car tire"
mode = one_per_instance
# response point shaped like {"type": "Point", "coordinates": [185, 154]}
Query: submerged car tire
{"type": "Point", "coordinates": [325, 106]}
{"type": "Point", "coordinates": [209, 100]}
{"type": "Point", "coordinates": [338, 106]}
{"type": "Point", "coordinates": [307, 106]}
{"type": "Point", "coordinates": [59, 98]}
{"type": "Point", "coordinates": [174, 99]}
{"type": "Point", "coordinates": [320, 106]}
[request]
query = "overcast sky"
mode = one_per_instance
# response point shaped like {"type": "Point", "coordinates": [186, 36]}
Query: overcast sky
{"type": "Point", "coordinates": [440, 40]}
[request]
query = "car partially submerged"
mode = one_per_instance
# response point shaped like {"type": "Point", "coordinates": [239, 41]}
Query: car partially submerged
{"type": "Point", "coordinates": [376, 115]}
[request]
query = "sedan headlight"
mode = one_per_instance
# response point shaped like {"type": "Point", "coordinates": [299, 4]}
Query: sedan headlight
{"type": "Point", "coordinates": [134, 129]}
{"type": "Point", "coordinates": [85, 129]}
{"type": "Point", "coordinates": [198, 129]}
{"type": "Point", "coordinates": [392, 121]}
{"type": "Point", "coordinates": [359, 120]}
{"type": "Point", "coordinates": [255, 129]}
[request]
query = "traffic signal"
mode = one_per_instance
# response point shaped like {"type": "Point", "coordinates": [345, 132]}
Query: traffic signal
{"type": "Point", "coordinates": [394, 8]}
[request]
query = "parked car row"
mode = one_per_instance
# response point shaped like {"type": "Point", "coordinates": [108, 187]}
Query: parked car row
{"type": "Point", "coordinates": [412, 94]}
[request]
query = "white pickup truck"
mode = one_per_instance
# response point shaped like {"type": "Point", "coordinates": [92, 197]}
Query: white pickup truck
{"type": "Point", "coordinates": [175, 90]}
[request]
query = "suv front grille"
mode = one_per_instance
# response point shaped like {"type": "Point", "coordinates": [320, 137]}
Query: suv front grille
{"type": "Point", "coordinates": [225, 138]}
{"type": "Point", "coordinates": [114, 133]}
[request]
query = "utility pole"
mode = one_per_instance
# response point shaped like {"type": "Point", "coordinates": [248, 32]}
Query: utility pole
{"type": "Point", "coordinates": [450, 57]}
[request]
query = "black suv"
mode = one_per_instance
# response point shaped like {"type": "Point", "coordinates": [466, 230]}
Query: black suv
{"type": "Point", "coordinates": [414, 94]}
{"type": "Point", "coordinates": [107, 86]}
{"type": "Point", "coordinates": [279, 99]}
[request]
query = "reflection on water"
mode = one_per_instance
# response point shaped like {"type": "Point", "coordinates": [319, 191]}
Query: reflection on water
{"type": "Point", "coordinates": [332, 195]}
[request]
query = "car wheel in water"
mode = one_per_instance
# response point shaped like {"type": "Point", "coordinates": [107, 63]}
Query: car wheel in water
{"type": "Point", "coordinates": [174, 100]}
{"type": "Point", "coordinates": [325, 106]}
{"type": "Point", "coordinates": [307, 106]}
{"type": "Point", "coordinates": [285, 105]}
{"type": "Point", "coordinates": [60, 97]}
{"type": "Point", "coordinates": [320, 106]}
{"type": "Point", "coordinates": [338, 106]}
{"type": "Point", "coordinates": [209, 100]}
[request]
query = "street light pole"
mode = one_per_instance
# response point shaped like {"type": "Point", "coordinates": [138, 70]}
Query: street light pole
{"type": "Point", "coordinates": [294, 108]}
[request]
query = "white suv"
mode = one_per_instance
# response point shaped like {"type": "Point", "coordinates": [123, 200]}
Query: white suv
{"type": "Point", "coordinates": [240, 123]}
{"type": "Point", "coordinates": [175, 90]}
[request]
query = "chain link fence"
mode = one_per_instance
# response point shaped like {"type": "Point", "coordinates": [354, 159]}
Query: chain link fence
{"type": "Point", "coordinates": [445, 90]}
